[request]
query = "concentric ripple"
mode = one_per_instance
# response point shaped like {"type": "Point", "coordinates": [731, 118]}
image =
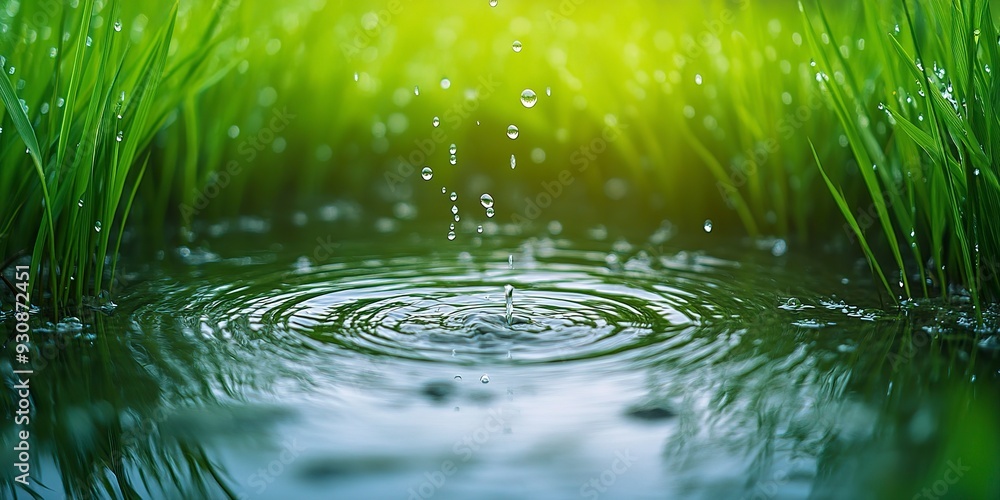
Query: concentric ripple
{"type": "Point", "coordinates": [568, 304]}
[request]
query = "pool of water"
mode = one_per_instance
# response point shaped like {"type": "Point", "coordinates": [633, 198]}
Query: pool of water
{"type": "Point", "coordinates": [368, 360]}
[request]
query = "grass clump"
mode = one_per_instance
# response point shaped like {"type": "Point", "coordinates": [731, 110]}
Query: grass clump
{"type": "Point", "coordinates": [926, 82]}
{"type": "Point", "coordinates": [85, 88]}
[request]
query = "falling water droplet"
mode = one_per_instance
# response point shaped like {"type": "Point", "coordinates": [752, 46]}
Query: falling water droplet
{"type": "Point", "coordinates": [486, 200]}
{"type": "Point", "coordinates": [454, 196]}
{"type": "Point", "coordinates": [528, 98]}
{"type": "Point", "coordinates": [479, 229]}
{"type": "Point", "coordinates": [427, 173]}
{"type": "Point", "coordinates": [451, 235]}
{"type": "Point", "coordinates": [708, 225]}
{"type": "Point", "coordinates": [516, 45]}
{"type": "Point", "coordinates": [436, 121]}
{"type": "Point", "coordinates": [512, 132]}
{"type": "Point", "coordinates": [513, 162]}
{"type": "Point", "coordinates": [490, 212]}
{"type": "Point", "coordinates": [508, 292]}
{"type": "Point", "coordinates": [118, 25]}
{"type": "Point", "coordinates": [486, 378]}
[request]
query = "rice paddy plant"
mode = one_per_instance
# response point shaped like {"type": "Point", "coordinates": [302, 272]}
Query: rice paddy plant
{"type": "Point", "coordinates": [919, 111]}
{"type": "Point", "coordinates": [86, 85]}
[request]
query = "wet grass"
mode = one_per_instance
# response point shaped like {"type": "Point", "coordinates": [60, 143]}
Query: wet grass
{"type": "Point", "coordinates": [713, 108]}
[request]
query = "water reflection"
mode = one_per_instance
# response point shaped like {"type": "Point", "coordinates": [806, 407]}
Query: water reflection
{"type": "Point", "coordinates": [627, 372]}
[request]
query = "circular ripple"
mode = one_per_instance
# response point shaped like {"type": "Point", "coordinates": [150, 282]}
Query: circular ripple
{"type": "Point", "coordinates": [566, 304]}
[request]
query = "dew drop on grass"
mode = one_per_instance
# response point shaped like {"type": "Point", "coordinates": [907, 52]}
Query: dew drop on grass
{"type": "Point", "coordinates": [356, 77]}
{"type": "Point", "coordinates": [453, 160]}
{"type": "Point", "coordinates": [97, 226]}
{"type": "Point", "coordinates": [451, 227]}
{"type": "Point", "coordinates": [454, 209]}
{"type": "Point", "coordinates": [528, 98]}
{"type": "Point", "coordinates": [548, 91]}
{"type": "Point", "coordinates": [11, 70]}
{"type": "Point", "coordinates": [453, 149]}
{"type": "Point", "coordinates": [697, 79]}
{"type": "Point", "coordinates": [120, 136]}
{"type": "Point", "coordinates": [118, 25]}
{"type": "Point", "coordinates": [513, 162]}
{"type": "Point", "coordinates": [445, 83]}
{"type": "Point", "coordinates": [436, 121]}
{"type": "Point", "coordinates": [416, 90]}
{"type": "Point", "coordinates": [516, 46]}
{"type": "Point", "coordinates": [512, 132]}
{"type": "Point", "coordinates": [451, 235]}
{"type": "Point", "coordinates": [60, 102]}
{"type": "Point", "coordinates": [486, 200]}
{"type": "Point", "coordinates": [454, 196]}
{"type": "Point", "coordinates": [90, 41]}
{"type": "Point", "coordinates": [479, 229]}
{"type": "Point", "coordinates": [486, 378]}
{"type": "Point", "coordinates": [80, 203]}
{"type": "Point", "coordinates": [427, 173]}
{"type": "Point", "coordinates": [708, 225]}
{"type": "Point", "coordinates": [490, 212]}
{"type": "Point", "coordinates": [443, 190]}
{"type": "Point", "coordinates": [53, 52]}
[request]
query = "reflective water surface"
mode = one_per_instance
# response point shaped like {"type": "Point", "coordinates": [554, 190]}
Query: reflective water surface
{"type": "Point", "coordinates": [380, 364]}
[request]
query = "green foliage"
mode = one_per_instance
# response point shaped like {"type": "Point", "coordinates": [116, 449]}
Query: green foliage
{"type": "Point", "coordinates": [933, 181]}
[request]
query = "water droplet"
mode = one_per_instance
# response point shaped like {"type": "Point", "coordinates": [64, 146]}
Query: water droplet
{"type": "Point", "coordinates": [436, 121]}
{"type": "Point", "coordinates": [513, 162]}
{"type": "Point", "coordinates": [453, 160]}
{"type": "Point", "coordinates": [697, 79]}
{"type": "Point", "coordinates": [80, 203]}
{"type": "Point", "coordinates": [490, 212]}
{"type": "Point", "coordinates": [512, 132]}
{"type": "Point", "coordinates": [793, 303]}
{"type": "Point", "coordinates": [454, 209]}
{"type": "Point", "coordinates": [416, 90]}
{"type": "Point", "coordinates": [458, 377]}
{"type": "Point", "coordinates": [486, 200]}
{"type": "Point", "coordinates": [516, 46]}
{"type": "Point", "coordinates": [486, 378]}
{"type": "Point", "coordinates": [356, 76]}
{"type": "Point", "coordinates": [458, 217]}
{"type": "Point", "coordinates": [812, 62]}
{"type": "Point", "coordinates": [528, 98]}
{"type": "Point", "coordinates": [120, 136]}
{"type": "Point", "coordinates": [508, 292]}
{"type": "Point", "coordinates": [896, 29]}
{"type": "Point", "coordinates": [90, 41]}
{"type": "Point", "coordinates": [454, 196]}
{"type": "Point", "coordinates": [510, 261]}
{"type": "Point", "coordinates": [443, 190]}
{"type": "Point", "coordinates": [479, 229]}
{"type": "Point", "coordinates": [445, 83]}
{"type": "Point", "coordinates": [451, 227]}
{"type": "Point", "coordinates": [427, 173]}
{"type": "Point", "coordinates": [53, 51]}
{"type": "Point", "coordinates": [548, 91]}
{"type": "Point", "coordinates": [708, 225]}
{"type": "Point", "coordinates": [118, 25]}
{"type": "Point", "coordinates": [451, 235]}
{"type": "Point", "coordinates": [97, 226]}
{"type": "Point", "coordinates": [453, 149]}
{"type": "Point", "coordinates": [11, 70]}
